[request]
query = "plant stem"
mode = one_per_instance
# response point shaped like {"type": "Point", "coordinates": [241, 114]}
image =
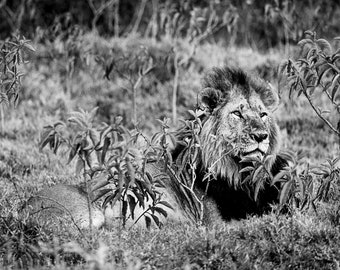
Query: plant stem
{"type": "Point", "coordinates": [2, 115]}
{"type": "Point", "coordinates": [117, 19]}
{"type": "Point", "coordinates": [88, 197]}
{"type": "Point", "coordinates": [319, 114]}
{"type": "Point", "coordinates": [139, 16]}
{"type": "Point", "coordinates": [134, 99]}
{"type": "Point", "coordinates": [141, 215]}
{"type": "Point", "coordinates": [97, 12]}
{"type": "Point", "coordinates": [175, 89]}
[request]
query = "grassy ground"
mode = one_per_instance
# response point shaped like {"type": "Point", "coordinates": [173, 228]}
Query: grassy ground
{"type": "Point", "coordinates": [301, 241]}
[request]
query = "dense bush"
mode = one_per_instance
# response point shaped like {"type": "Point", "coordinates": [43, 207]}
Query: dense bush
{"type": "Point", "coordinates": [314, 75]}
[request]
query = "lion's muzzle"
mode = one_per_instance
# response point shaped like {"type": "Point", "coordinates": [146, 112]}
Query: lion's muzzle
{"type": "Point", "coordinates": [259, 136]}
{"type": "Point", "coordinates": [258, 145]}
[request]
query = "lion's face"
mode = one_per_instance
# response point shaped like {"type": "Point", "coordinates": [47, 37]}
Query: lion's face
{"type": "Point", "coordinates": [245, 126]}
{"type": "Point", "coordinates": [239, 122]}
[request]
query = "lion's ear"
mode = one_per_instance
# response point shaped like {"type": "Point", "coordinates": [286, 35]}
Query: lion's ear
{"type": "Point", "coordinates": [210, 97]}
{"type": "Point", "coordinates": [272, 98]}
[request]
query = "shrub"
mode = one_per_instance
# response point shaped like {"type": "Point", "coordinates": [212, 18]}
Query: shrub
{"type": "Point", "coordinates": [13, 52]}
{"type": "Point", "coordinates": [111, 159]}
{"type": "Point", "coordinates": [314, 75]}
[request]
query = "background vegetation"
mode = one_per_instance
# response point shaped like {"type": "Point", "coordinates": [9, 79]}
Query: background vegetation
{"type": "Point", "coordinates": [143, 60]}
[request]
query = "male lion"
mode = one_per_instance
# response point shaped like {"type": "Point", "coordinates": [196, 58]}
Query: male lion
{"type": "Point", "coordinates": [237, 126]}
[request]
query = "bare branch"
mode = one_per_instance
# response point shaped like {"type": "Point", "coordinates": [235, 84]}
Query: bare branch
{"type": "Point", "coordinates": [175, 88]}
{"type": "Point", "coordinates": [139, 16]}
{"type": "Point", "coordinates": [97, 12]}
{"type": "Point", "coordinates": [116, 10]}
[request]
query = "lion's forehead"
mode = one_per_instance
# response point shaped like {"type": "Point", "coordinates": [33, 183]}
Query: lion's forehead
{"type": "Point", "coordinates": [248, 105]}
{"type": "Point", "coordinates": [240, 102]}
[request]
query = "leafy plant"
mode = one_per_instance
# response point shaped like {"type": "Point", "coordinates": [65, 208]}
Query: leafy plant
{"type": "Point", "coordinates": [184, 167]}
{"type": "Point", "coordinates": [297, 183]}
{"type": "Point", "coordinates": [258, 173]}
{"type": "Point", "coordinates": [318, 69]}
{"type": "Point", "coordinates": [315, 74]}
{"type": "Point", "coordinates": [12, 56]}
{"type": "Point", "coordinates": [111, 163]}
{"type": "Point", "coordinates": [68, 47]}
{"type": "Point", "coordinates": [329, 173]}
{"type": "Point", "coordinates": [132, 69]}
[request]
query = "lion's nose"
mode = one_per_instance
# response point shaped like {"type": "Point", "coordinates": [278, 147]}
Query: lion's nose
{"type": "Point", "coordinates": [259, 136]}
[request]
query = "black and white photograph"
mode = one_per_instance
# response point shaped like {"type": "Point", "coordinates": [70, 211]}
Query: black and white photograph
{"type": "Point", "coordinates": [169, 134]}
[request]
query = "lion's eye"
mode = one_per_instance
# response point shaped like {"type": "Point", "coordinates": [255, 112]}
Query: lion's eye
{"type": "Point", "coordinates": [237, 113]}
{"type": "Point", "coordinates": [263, 114]}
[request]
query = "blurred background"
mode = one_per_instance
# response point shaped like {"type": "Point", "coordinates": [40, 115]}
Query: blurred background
{"type": "Point", "coordinates": [262, 24]}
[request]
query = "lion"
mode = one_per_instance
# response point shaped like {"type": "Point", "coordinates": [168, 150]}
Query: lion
{"type": "Point", "coordinates": [237, 126]}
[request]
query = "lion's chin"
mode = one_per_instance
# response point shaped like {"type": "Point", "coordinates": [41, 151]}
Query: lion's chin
{"type": "Point", "coordinates": [253, 154]}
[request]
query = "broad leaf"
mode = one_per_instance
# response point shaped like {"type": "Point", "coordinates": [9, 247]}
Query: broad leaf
{"type": "Point", "coordinates": [285, 192]}
{"type": "Point", "coordinates": [147, 221]}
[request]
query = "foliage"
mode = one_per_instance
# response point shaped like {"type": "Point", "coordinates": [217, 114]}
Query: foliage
{"type": "Point", "coordinates": [258, 173]}
{"type": "Point", "coordinates": [110, 159]}
{"type": "Point", "coordinates": [12, 52]}
{"type": "Point", "coordinates": [185, 165]}
{"type": "Point", "coordinates": [18, 242]}
{"type": "Point", "coordinates": [314, 75]}
{"type": "Point", "coordinates": [68, 46]}
{"type": "Point", "coordinates": [297, 184]}
{"type": "Point", "coordinates": [318, 69]}
{"type": "Point", "coordinates": [133, 69]}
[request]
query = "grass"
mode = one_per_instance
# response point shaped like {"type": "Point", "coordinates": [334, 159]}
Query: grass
{"type": "Point", "coordinates": [301, 241]}
{"type": "Point", "coordinates": [268, 242]}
